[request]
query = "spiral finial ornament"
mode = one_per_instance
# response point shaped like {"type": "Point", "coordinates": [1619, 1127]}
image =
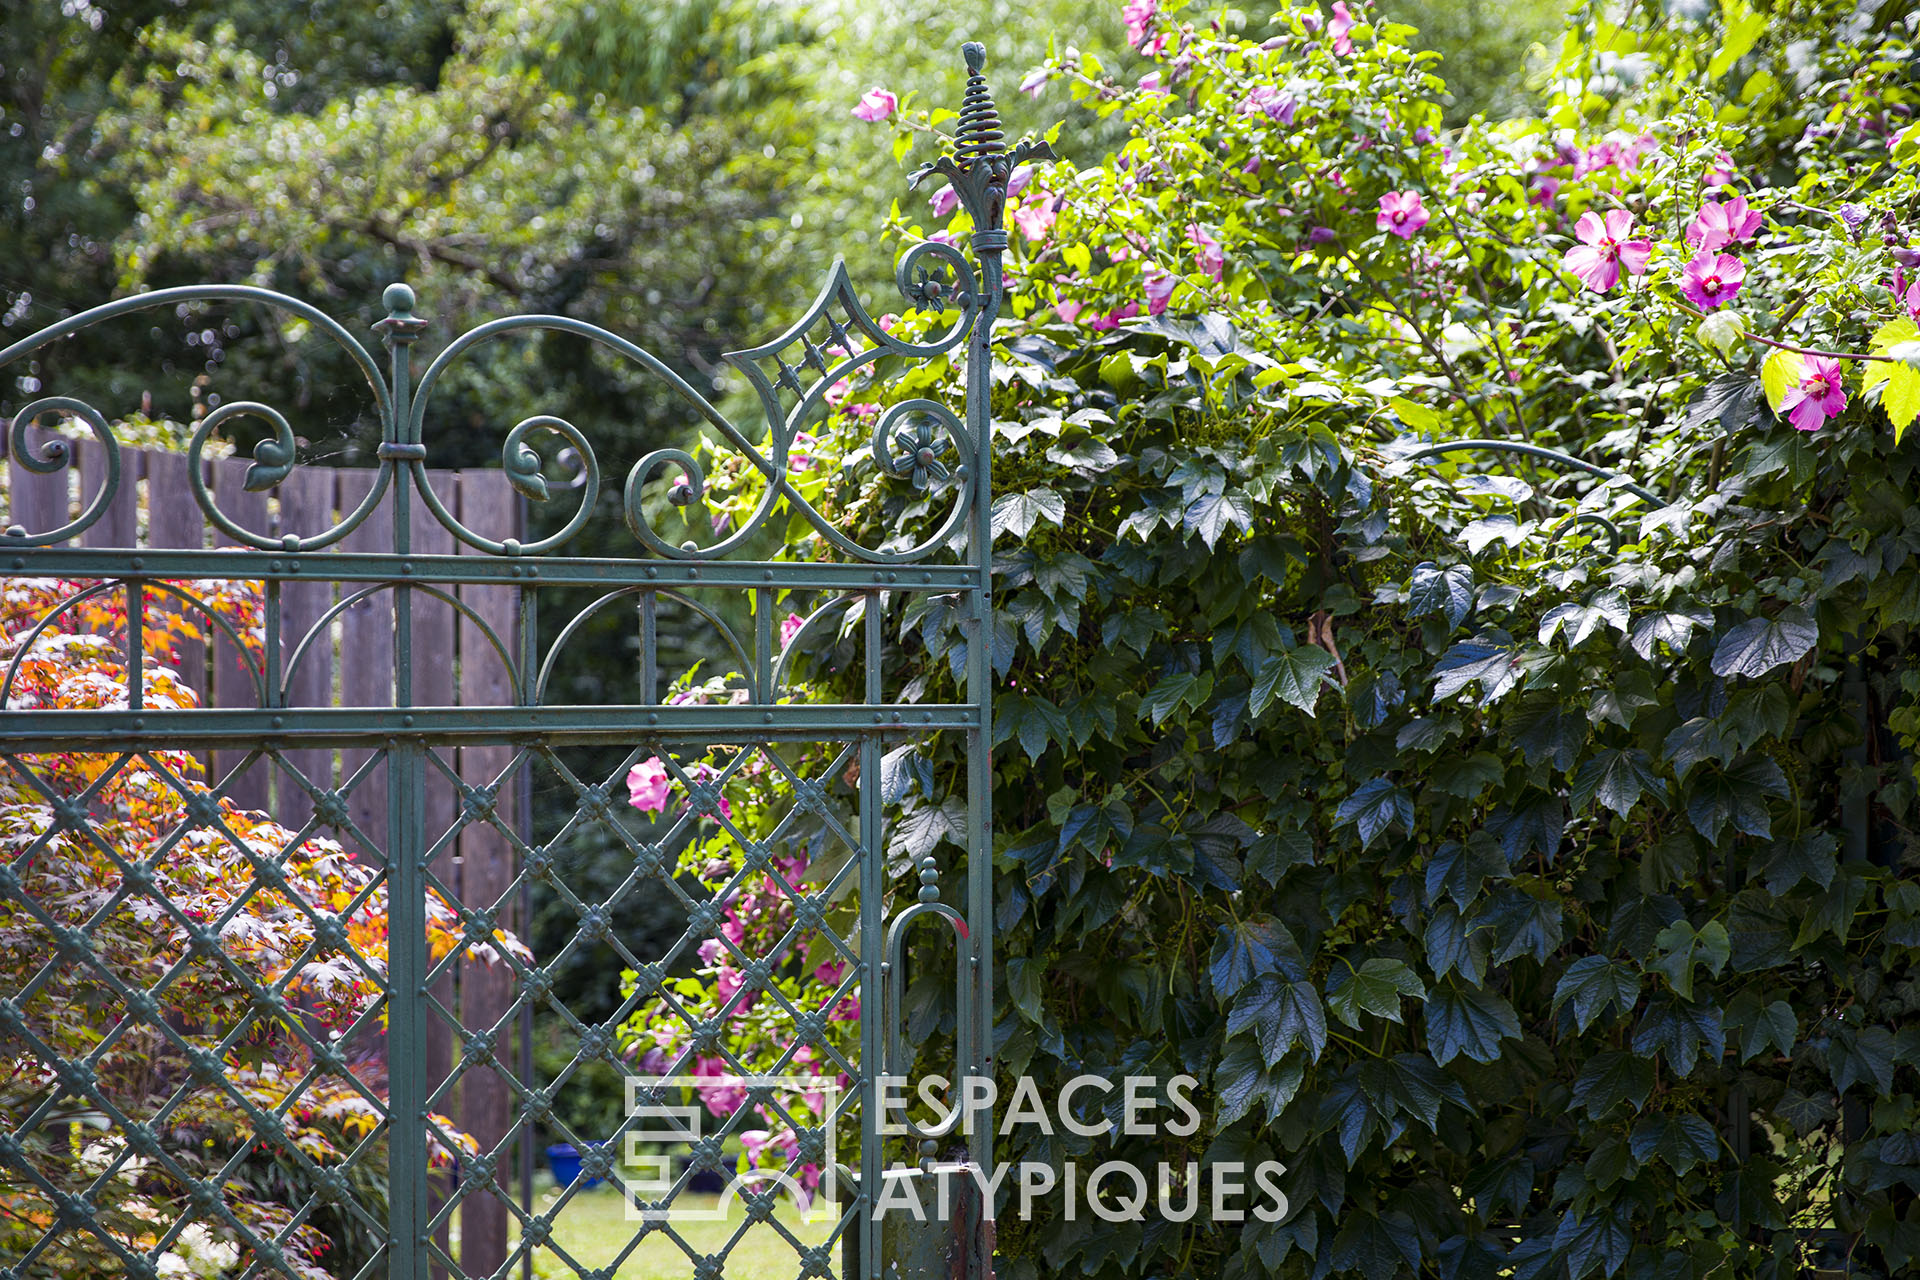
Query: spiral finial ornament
{"type": "Point", "coordinates": [979, 134]}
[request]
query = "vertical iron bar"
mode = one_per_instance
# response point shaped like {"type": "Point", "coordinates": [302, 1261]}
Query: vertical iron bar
{"type": "Point", "coordinates": [136, 643]}
{"type": "Point", "coordinates": [763, 645]}
{"type": "Point", "coordinates": [649, 648]}
{"type": "Point", "coordinates": [410, 1208]}
{"type": "Point", "coordinates": [873, 978]}
{"type": "Point", "coordinates": [270, 671]}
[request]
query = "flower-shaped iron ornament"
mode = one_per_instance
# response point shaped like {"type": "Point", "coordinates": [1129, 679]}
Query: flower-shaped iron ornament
{"type": "Point", "coordinates": [910, 440]}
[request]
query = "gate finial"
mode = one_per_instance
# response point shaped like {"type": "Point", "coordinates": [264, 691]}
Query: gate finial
{"type": "Point", "coordinates": [980, 163]}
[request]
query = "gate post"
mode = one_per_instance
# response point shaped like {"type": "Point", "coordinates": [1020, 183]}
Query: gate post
{"type": "Point", "coordinates": [953, 1237]}
{"type": "Point", "coordinates": [409, 1209]}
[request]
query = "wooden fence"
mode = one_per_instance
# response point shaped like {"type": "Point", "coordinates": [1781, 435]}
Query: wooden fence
{"type": "Point", "coordinates": [355, 670]}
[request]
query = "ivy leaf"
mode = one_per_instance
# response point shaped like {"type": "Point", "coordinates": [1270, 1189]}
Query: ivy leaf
{"type": "Point", "coordinates": [1600, 1240]}
{"type": "Point", "coordinates": [1678, 1030]}
{"type": "Point", "coordinates": [1495, 528]}
{"type": "Point", "coordinates": [1243, 1079]}
{"type": "Point", "coordinates": [1591, 984]}
{"type": "Point", "coordinates": [1524, 925]}
{"type": "Point", "coordinates": [1862, 1057]}
{"type": "Point", "coordinates": [1808, 857]}
{"type": "Point", "coordinates": [1295, 676]}
{"type": "Point", "coordinates": [1673, 628]}
{"type": "Point", "coordinates": [1182, 689]}
{"type": "Point", "coordinates": [1211, 514]}
{"type": "Point", "coordinates": [1458, 870]}
{"type": "Point", "coordinates": [1249, 948]}
{"type": "Point", "coordinates": [1582, 620]}
{"type": "Point", "coordinates": [1484, 660]}
{"type": "Point", "coordinates": [1731, 400]}
{"type": "Point", "coordinates": [1617, 778]}
{"type": "Point", "coordinates": [1017, 513]}
{"type": "Point", "coordinates": [1274, 853]}
{"type": "Point", "coordinates": [1376, 987]}
{"type": "Point", "coordinates": [1546, 731]}
{"type": "Point", "coordinates": [1736, 795]}
{"type": "Point", "coordinates": [1457, 945]}
{"type": "Point", "coordinates": [1447, 591]}
{"type": "Point", "coordinates": [1469, 1020]}
{"type": "Point", "coordinates": [1682, 948]}
{"type": "Point", "coordinates": [1376, 1245]}
{"type": "Point", "coordinates": [1611, 1079]}
{"type": "Point", "coordinates": [1373, 807]}
{"type": "Point", "coordinates": [1762, 1026]}
{"type": "Point", "coordinates": [1538, 821]}
{"type": "Point", "coordinates": [1281, 1014]}
{"type": "Point", "coordinates": [1758, 645]}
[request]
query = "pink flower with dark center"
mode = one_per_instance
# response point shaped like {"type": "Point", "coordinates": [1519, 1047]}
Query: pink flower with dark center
{"type": "Point", "coordinates": [1338, 29]}
{"type": "Point", "coordinates": [1605, 249]}
{"type": "Point", "coordinates": [876, 104]}
{"type": "Point", "coordinates": [944, 201]}
{"type": "Point", "coordinates": [1819, 395]}
{"type": "Point", "coordinates": [1159, 287]}
{"type": "Point", "coordinates": [1711, 279]}
{"type": "Point", "coordinates": [1721, 223]}
{"type": "Point", "coordinates": [1402, 213]}
{"type": "Point", "coordinates": [1207, 255]}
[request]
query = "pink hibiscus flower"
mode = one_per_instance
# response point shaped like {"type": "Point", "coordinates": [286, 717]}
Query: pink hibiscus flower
{"type": "Point", "coordinates": [1069, 312]}
{"type": "Point", "coordinates": [1035, 218]}
{"type": "Point", "coordinates": [944, 202]}
{"type": "Point", "coordinates": [1402, 213]}
{"type": "Point", "coordinates": [1711, 279]}
{"type": "Point", "coordinates": [1721, 223]}
{"type": "Point", "coordinates": [1159, 287]}
{"type": "Point", "coordinates": [1339, 28]}
{"type": "Point", "coordinates": [876, 104]}
{"type": "Point", "coordinates": [1207, 255]}
{"type": "Point", "coordinates": [791, 628]}
{"type": "Point", "coordinates": [1720, 172]}
{"type": "Point", "coordinates": [1819, 395]}
{"type": "Point", "coordinates": [648, 785]}
{"type": "Point", "coordinates": [1604, 249]}
{"type": "Point", "coordinates": [1139, 16]}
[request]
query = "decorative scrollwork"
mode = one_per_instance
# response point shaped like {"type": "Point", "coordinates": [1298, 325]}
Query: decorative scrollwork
{"type": "Point", "coordinates": [274, 458]}
{"type": "Point", "coordinates": [56, 455]}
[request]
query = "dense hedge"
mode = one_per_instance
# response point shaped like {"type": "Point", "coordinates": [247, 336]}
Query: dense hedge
{"type": "Point", "coordinates": [1548, 906]}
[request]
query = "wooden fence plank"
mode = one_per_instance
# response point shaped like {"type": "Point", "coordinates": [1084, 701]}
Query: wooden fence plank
{"type": "Point", "coordinates": [119, 523]}
{"type": "Point", "coordinates": [306, 508]}
{"type": "Point", "coordinates": [489, 508]}
{"type": "Point", "coordinates": [234, 683]}
{"type": "Point", "coordinates": [366, 651]}
{"type": "Point", "coordinates": [36, 503]}
{"type": "Point", "coordinates": [175, 523]}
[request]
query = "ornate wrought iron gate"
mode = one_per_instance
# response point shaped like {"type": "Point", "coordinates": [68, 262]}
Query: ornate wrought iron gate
{"type": "Point", "coordinates": [230, 1008]}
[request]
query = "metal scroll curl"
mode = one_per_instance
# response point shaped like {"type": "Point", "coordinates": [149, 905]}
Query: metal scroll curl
{"type": "Point", "coordinates": [930, 276]}
{"type": "Point", "coordinates": [274, 459]}
{"type": "Point", "coordinates": [523, 471]}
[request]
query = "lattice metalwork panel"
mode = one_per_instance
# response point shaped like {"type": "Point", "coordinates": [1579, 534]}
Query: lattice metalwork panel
{"type": "Point", "coordinates": [239, 936]}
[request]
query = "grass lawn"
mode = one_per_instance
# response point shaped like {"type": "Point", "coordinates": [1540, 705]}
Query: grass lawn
{"type": "Point", "coordinates": [593, 1229]}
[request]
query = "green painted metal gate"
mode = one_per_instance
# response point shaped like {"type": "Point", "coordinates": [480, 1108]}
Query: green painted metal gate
{"type": "Point", "coordinates": [248, 1009]}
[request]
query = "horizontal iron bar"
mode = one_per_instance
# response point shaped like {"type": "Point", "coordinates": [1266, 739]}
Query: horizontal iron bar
{"type": "Point", "coordinates": [89, 562]}
{"type": "Point", "coordinates": [23, 731]}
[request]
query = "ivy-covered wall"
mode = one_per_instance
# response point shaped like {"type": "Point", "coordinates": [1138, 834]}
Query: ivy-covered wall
{"type": "Point", "coordinates": [1520, 855]}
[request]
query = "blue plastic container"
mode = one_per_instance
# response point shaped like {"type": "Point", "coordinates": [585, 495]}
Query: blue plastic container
{"type": "Point", "coordinates": [563, 1159]}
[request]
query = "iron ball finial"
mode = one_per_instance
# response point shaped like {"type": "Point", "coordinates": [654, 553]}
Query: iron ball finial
{"type": "Point", "coordinates": [397, 298]}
